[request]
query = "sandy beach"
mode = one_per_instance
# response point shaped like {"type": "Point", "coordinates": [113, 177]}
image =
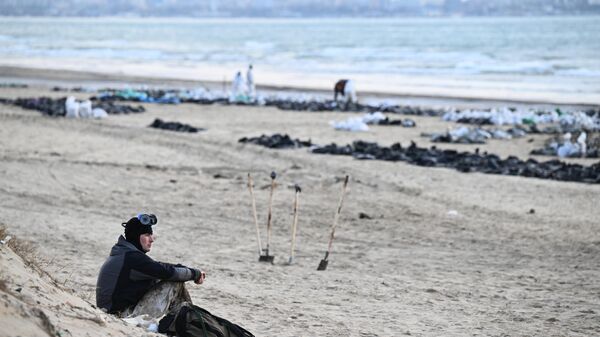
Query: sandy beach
{"type": "Point", "coordinates": [440, 253]}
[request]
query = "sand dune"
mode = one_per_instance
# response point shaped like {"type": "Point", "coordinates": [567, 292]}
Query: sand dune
{"type": "Point", "coordinates": [35, 304]}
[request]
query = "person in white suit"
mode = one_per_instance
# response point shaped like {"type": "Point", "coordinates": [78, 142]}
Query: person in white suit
{"type": "Point", "coordinates": [250, 83]}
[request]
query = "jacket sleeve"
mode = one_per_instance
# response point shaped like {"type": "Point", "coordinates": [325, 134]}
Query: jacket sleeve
{"type": "Point", "coordinates": [145, 268]}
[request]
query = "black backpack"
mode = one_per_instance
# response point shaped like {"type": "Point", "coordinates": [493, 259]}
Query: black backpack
{"type": "Point", "coordinates": [192, 321]}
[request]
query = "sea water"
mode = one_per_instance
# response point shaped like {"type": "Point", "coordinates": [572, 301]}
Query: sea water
{"type": "Point", "coordinates": [554, 54]}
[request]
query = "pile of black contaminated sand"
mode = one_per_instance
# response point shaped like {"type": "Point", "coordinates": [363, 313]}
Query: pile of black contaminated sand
{"type": "Point", "coordinates": [117, 109]}
{"type": "Point", "coordinates": [550, 129]}
{"type": "Point", "coordinates": [45, 105]}
{"type": "Point", "coordinates": [56, 107]}
{"type": "Point", "coordinates": [283, 104]}
{"type": "Point", "coordinates": [331, 106]}
{"type": "Point", "coordinates": [350, 107]}
{"type": "Point", "coordinates": [174, 126]}
{"type": "Point", "coordinates": [461, 161]}
{"type": "Point", "coordinates": [276, 141]}
{"type": "Point", "coordinates": [407, 123]}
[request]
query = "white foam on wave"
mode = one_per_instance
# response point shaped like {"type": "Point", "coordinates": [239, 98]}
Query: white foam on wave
{"type": "Point", "coordinates": [259, 45]}
{"type": "Point", "coordinates": [100, 53]}
{"type": "Point", "coordinates": [525, 68]}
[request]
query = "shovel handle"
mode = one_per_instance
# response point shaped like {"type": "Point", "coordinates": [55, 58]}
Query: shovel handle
{"type": "Point", "coordinates": [295, 223]}
{"type": "Point", "coordinates": [337, 215]}
{"type": "Point", "coordinates": [250, 184]}
{"type": "Point", "coordinates": [270, 214]}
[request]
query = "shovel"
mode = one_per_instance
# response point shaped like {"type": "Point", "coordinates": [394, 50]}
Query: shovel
{"type": "Point", "coordinates": [324, 262]}
{"type": "Point", "coordinates": [294, 224]}
{"type": "Point", "coordinates": [250, 185]}
{"type": "Point", "coordinates": [266, 257]}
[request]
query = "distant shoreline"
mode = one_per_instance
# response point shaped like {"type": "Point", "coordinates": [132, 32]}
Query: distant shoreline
{"type": "Point", "coordinates": [309, 17]}
{"type": "Point", "coordinates": [69, 78]}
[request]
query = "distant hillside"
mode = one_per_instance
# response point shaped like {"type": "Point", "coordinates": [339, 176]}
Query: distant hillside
{"type": "Point", "coordinates": [295, 8]}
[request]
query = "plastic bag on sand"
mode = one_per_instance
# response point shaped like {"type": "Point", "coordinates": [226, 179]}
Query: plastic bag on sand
{"type": "Point", "coordinates": [99, 113]}
{"type": "Point", "coordinates": [351, 124]}
{"type": "Point", "coordinates": [568, 149]}
{"type": "Point", "coordinates": [72, 107]}
{"type": "Point", "coordinates": [144, 321]}
{"type": "Point", "coordinates": [373, 118]}
{"type": "Point", "coordinates": [358, 123]}
{"type": "Point", "coordinates": [85, 109]}
{"type": "Point", "coordinates": [582, 144]}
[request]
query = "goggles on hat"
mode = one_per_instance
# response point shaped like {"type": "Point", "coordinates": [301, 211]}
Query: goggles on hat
{"type": "Point", "coordinates": [147, 219]}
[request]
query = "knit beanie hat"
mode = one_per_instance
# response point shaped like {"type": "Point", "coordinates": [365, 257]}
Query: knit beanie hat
{"type": "Point", "coordinates": [134, 228]}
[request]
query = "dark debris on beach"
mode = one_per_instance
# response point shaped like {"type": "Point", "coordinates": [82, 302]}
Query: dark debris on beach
{"type": "Point", "coordinates": [55, 107]}
{"type": "Point", "coordinates": [333, 106]}
{"type": "Point", "coordinates": [174, 126]}
{"type": "Point", "coordinates": [407, 122]}
{"type": "Point", "coordinates": [276, 141]}
{"type": "Point", "coordinates": [461, 161]}
{"type": "Point", "coordinates": [174, 97]}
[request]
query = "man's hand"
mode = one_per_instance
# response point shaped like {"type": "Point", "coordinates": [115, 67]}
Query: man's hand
{"type": "Point", "coordinates": [199, 276]}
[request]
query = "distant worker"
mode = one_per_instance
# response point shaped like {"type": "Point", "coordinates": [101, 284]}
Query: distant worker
{"type": "Point", "coordinates": [346, 89]}
{"type": "Point", "coordinates": [237, 88]}
{"type": "Point", "coordinates": [250, 83]}
{"type": "Point", "coordinates": [582, 144]}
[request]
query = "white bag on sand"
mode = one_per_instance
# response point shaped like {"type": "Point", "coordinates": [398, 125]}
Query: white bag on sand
{"type": "Point", "coordinates": [568, 149]}
{"type": "Point", "coordinates": [99, 113]}
{"type": "Point", "coordinates": [72, 107]}
{"type": "Point", "coordinates": [351, 124]}
{"type": "Point", "coordinates": [582, 144]}
{"type": "Point", "coordinates": [85, 109]}
{"type": "Point", "coordinates": [373, 118]}
{"type": "Point", "coordinates": [144, 321]}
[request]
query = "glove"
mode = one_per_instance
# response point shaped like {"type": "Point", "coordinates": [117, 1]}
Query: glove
{"type": "Point", "coordinates": [197, 275]}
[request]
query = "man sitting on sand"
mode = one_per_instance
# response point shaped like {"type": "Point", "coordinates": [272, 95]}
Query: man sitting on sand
{"type": "Point", "coordinates": [131, 283]}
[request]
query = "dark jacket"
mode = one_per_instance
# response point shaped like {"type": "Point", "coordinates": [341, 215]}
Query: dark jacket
{"type": "Point", "coordinates": [129, 273]}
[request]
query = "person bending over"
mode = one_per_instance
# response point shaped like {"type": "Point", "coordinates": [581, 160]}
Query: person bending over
{"type": "Point", "coordinates": [346, 89]}
{"type": "Point", "coordinates": [131, 283]}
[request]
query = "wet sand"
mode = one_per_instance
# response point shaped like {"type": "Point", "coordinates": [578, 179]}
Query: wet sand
{"type": "Point", "coordinates": [444, 253]}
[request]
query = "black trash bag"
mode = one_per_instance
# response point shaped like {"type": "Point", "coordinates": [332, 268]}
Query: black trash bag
{"type": "Point", "coordinates": [192, 321]}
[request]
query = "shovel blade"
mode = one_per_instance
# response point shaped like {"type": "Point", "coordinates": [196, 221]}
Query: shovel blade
{"type": "Point", "coordinates": [266, 258]}
{"type": "Point", "coordinates": [322, 265]}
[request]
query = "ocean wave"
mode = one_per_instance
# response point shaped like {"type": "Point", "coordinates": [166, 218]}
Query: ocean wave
{"type": "Point", "coordinates": [101, 53]}
{"type": "Point", "coordinates": [259, 46]}
{"type": "Point", "coordinates": [222, 57]}
{"type": "Point", "coordinates": [579, 73]}
{"type": "Point", "coordinates": [399, 55]}
{"type": "Point", "coordinates": [524, 68]}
